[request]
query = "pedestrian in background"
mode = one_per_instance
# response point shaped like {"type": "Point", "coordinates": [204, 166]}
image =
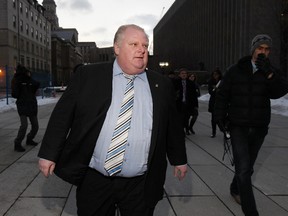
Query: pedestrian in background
{"type": "Point", "coordinates": [244, 99]}
{"type": "Point", "coordinates": [110, 102]}
{"type": "Point", "coordinates": [187, 99]}
{"type": "Point", "coordinates": [213, 85]}
{"type": "Point", "coordinates": [194, 111]}
{"type": "Point", "coordinates": [24, 89]}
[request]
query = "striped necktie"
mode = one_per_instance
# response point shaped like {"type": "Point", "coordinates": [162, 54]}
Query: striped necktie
{"type": "Point", "coordinates": [116, 150]}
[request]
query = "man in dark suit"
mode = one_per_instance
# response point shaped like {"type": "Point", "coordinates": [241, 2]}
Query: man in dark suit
{"type": "Point", "coordinates": [187, 99]}
{"type": "Point", "coordinates": [81, 127]}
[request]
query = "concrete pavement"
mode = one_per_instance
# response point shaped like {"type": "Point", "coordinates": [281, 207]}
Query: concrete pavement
{"type": "Point", "coordinates": [204, 192]}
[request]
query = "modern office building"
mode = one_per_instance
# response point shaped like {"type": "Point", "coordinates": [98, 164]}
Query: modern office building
{"type": "Point", "coordinates": [24, 38]}
{"type": "Point", "coordinates": [203, 34]}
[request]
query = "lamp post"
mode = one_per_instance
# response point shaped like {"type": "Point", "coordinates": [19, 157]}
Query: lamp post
{"type": "Point", "coordinates": [7, 83]}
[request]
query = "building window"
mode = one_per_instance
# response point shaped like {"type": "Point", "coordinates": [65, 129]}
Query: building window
{"type": "Point", "coordinates": [32, 48]}
{"type": "Point", "coordinates": [27, 47]}
{"type": "Point", "coordinates": [15, 41]}
{"type": "Point", "coordinates": [22, 59]}
{"type": "Point", "coordinates": [26, 11]}
{"type": "Point", "coordinates": [21, 25]}
{"type": "Point", "coordinates": [36, 34]}
{"type": "Point", "coordinates": [32, 32]}
{"type": "Point", "coordinates": [14, 21]}
{"type": "Point", "coordinates": [27, 29]}
{"type": "Point", "coordinates": [33, 63]}
{"type": "Point", "coordinates": [21, 7]}
{"type": "Point", "coordinates": [28, 62]}
{"type": "Point", "coordinates": [14, 3]}
{"type": "Point", "coordinates": [36, 19]}
{"type": "Point", "coordinates": [40, 37]}
{"type": "Point", "coordinates": [32, 16]}
{"type": "Point", "coordinates": [22, 47]}
{"type": "Point", "coordinates": [40, 23]}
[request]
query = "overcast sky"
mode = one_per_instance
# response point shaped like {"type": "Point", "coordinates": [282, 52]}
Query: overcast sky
{"type": "Point", "coordinates": [98, 20]}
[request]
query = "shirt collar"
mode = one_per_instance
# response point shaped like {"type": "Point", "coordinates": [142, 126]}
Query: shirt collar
{"type": "Point", "coordinates": [117, 71]}
{"type": "Point", "coordinates": [254, 67]}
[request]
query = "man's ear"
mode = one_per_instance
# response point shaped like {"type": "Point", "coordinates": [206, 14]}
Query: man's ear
{"type": "Point", "coordinates": [116, 49]}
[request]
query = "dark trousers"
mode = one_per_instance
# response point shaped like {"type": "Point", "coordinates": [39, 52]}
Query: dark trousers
{"type": "Point", "coordinates": [194, 115]}
{"type": "Point", "coordinates": [23, 128]}
{"type": "Point", "coordinates": [99, 196]}
{"type": "Point", "coordinates": [213, 124]}
{"type": "Point", "coordinates": [246, 143]}
{"type": "Point", "coordinates": [185, 115]}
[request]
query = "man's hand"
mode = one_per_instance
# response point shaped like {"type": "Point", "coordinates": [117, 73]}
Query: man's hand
{"type": "Point", "coordinates": [263, 65]}
{"type": "Point", "coordinates": [180, 171]}
{"type": "Point", "coordinates": [46, 167]}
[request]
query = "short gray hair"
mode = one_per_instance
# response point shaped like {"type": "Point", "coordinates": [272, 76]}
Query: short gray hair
{"type": "Point", "coordinates": [119, 33]}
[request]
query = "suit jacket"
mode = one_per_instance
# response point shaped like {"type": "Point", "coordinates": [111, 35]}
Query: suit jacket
{"type": "Point", "coordinates": [77, 119]}
{"type": "Point", "coordinates": [191, 94]}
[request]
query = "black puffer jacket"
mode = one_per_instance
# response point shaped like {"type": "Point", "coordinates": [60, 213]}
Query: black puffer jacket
{"type": "Point", "coordinates": [24, 89]}
{"type": "Point", "coordinates": [245, 97]}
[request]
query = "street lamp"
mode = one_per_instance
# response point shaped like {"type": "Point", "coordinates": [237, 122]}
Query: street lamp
{"type": "Point", "coordinates": [163, 65]}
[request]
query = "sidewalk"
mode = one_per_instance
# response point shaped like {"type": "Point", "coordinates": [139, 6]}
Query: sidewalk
{"type": "Point", "coordinates": [204, 192]}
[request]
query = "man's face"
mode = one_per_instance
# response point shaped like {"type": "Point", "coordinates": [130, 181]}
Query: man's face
{"type": "Point", "coordinates": [132, 51]}
{"type": "Point", "coordinates": [263, 48]}
{"type": "Point", "coordinates": [183, 75]}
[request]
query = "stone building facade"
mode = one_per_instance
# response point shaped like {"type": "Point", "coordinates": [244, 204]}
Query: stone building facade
{"type": "Point", "coordinates": [24, 38]}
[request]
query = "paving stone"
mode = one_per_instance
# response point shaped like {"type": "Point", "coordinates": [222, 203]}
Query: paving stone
{"type": "Point", "coordinates": [204, 191]}
{"type": "Point", "coordinates": [37, 207]}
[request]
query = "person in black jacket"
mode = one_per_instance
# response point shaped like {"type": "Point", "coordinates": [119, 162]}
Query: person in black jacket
{"type": "Point", "coordinates": [187, 99]}
{"type": "Point", "coordinates": [244, 99]}
{"type": "Point", "coordinates": [77, 141]}
{"type": "Point", "coordinates": [194, 111]}
{"type": "Point", "coordinates": [213, 85]}
{"type": "Point", "coordinates": [24, 89]}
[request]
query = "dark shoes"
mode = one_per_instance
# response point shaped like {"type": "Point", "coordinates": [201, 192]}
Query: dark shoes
{"type": "Point", "coordinates": [31, 142]}
{"type": "Point", "coordinates": [236, 197]}
{"type": "Point", "coordinates": [192, 131]}
{"type": "Point", "coordinates": [18, 147]}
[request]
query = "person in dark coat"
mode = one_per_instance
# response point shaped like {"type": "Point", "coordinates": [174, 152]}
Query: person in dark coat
{"type": "Point", "coordinates": [24, 89]}
{"type": "Point", "coordinates": [194, 111]}
{"type": "Point", "coordinates": [187, 99]}
{"type": "Point", "coordinates": [213, 85]}
{"type": "Point", "coordinates": [81, 129]}
{"type": "Point", "coordinates": [244, 99]}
